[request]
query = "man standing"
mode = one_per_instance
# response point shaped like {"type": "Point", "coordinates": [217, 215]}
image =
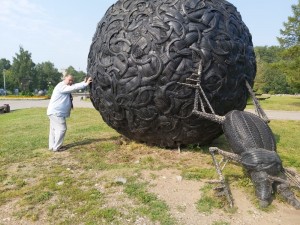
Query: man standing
{"type": "Point", "coordinates": [59, 109]}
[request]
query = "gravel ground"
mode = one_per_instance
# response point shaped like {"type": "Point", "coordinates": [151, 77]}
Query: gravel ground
{"type": "Point", "coordinates": [78, 103]}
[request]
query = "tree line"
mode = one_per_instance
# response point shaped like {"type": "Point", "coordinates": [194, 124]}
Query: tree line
{"type": "Point", "coordinates": [278, 67]}
{"type": "Point", "coordinates": [26, 76]}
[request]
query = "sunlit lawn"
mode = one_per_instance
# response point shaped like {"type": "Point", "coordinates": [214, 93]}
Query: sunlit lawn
{"type": "Point", "coordinates": [286, 103]}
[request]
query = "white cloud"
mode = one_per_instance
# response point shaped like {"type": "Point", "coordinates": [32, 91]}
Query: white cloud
{"type": "Point", "coordinates": [32, 26]}
{"type": "Point", "coordinates": [28, 18]}
{"type": "Point", "coordinates": [30, 22]}
{"type": "Point", "coordinates": [20, 14]}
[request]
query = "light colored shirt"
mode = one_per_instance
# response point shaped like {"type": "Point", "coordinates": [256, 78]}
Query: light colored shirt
{"type": "Point", "coordinates": [60, 102]}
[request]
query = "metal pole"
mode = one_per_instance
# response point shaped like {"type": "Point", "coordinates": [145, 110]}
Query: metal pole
{"type": "Point", "coordinates": [4, 82]}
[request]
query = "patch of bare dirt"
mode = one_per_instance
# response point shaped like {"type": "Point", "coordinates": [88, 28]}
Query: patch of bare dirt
{"type": "Point", "coordinates": [181, 196]}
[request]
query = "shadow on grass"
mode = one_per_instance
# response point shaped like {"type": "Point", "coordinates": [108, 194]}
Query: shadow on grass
{"type": "Point", "coordinates": [88, 142]}
{"type": "Point", "coordinates": [277, 137]}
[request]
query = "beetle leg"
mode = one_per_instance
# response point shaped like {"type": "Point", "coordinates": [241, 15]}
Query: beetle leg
{"type": "Point", "coordinates": [224, 188]}
{"type": "Point", "coordinates": [284, 189]}
{"type": "Point", "coordinates": [258, 109]}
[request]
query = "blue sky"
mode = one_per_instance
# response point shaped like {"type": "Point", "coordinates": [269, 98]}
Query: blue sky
{"type": "Point", "coordinates": [61, 31]}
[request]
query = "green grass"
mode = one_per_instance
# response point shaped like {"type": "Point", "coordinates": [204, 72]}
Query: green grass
{"type": "Point", "coordinates": [154, 208]}
{"type": "Point", "coordinates": [288, 141]}
{"type": "Point", "coordinates": [208, 201]}
{"type": "Point", "coordinates": [198, 173]}
{"type": "Point", "coordinates": [285, 103]}
{"type": "Point", "coordinates": [78, 186]}
{"type": "Point", "coordinates": [220, 223]}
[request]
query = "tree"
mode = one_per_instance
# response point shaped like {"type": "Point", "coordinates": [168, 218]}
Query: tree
{"type": "Point", "coordinates": [291, 32]}
{"type": "Point", "coordinates": [268, 77]}
{"type": "Point", "coordinates": [291, 67]}
{"type": "Point", "coordinates": [259, 78]}
{"type": "Point", "coordinates": [278, 70]}
{"type": "Point", "coordinates": [23, 71]}
{"type": "Point", "coordinates": [268, 54]}
{"type": "Point", "coordinates": [10, 80]}
{"type": "Point", "coordinates": [47, 75]}
{"type": "Point", "coordinates": [4, 66]}
{"type": "Point", "coordinates": [290, 40]}
{"type": "Point", "coordinates": [275, 81]}
{"type": "Point", "coordinates": [78, 75]}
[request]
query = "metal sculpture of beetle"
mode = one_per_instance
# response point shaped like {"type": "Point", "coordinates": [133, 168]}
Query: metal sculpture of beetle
{"type": "Point", "coordinates": [142, 58]}
{"type": "Point", "coordinates": [253, 144]}
{"type": "Point", "coordinates": [141, 50]}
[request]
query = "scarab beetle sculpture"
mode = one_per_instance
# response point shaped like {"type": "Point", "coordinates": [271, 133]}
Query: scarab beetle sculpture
{"type": "Point", "coordinates": [253, 144]}
{"type": "Point", "coordinates": [143, 48]}
{"type": "Point", "coordinates": [142, 54]}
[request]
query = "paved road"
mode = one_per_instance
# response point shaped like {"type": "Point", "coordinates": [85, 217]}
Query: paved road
{"type": "Point", "coordinates": [281, 115]}
{"type": "Point", "coordinates": [78, 103]}
{"type": "Point", "coordinates": [23, 104]}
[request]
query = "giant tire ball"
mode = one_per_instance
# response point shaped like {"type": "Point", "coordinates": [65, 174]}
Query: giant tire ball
{"type": "Point", "coordinates": [143, 49]}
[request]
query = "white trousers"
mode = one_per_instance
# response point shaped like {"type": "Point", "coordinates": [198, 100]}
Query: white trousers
{"type": "Point", "coordinates": [58, 128]}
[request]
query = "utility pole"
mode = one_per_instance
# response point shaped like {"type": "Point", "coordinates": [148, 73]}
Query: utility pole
{"type": "Point", "coordinates": [4, 84]}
